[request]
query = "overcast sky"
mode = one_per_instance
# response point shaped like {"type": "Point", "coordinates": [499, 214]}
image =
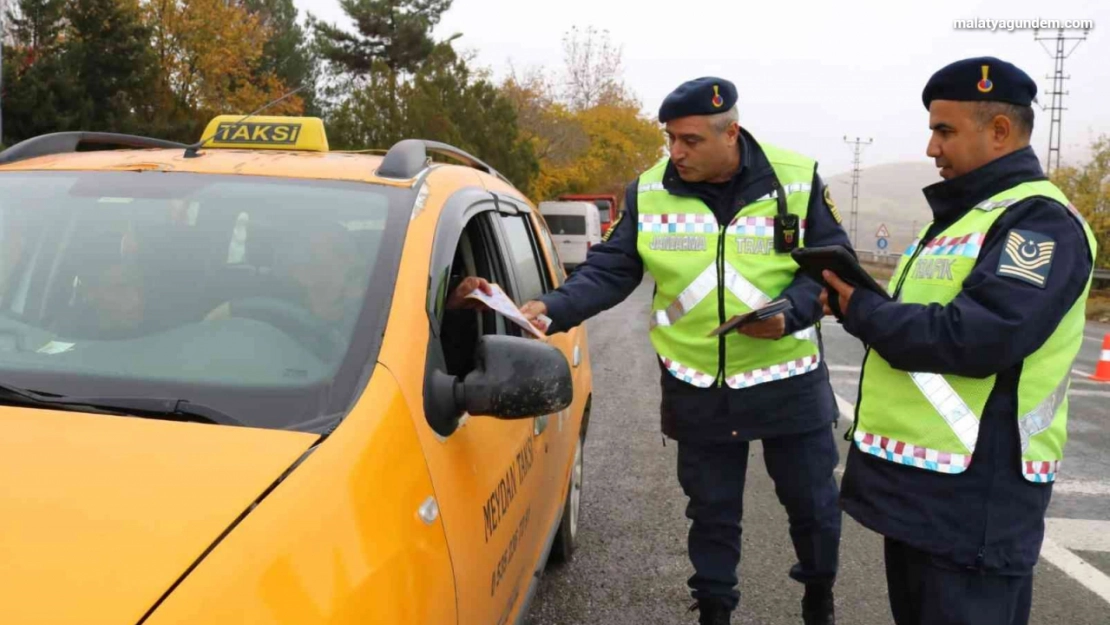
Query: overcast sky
{"type": "Point", "coordinates": [808, 72]}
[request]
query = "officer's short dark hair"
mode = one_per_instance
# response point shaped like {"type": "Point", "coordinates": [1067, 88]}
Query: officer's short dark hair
{"type": "Point", "coordinates": [1020, 116]}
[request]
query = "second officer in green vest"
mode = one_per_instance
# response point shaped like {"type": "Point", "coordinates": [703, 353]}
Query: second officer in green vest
{"type": "Point", "coordinates": [962, 413]}
{"type": "Point", "coordinates": [714, 224]}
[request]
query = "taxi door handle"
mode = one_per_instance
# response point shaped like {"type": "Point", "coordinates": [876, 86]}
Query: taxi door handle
{"type": "Point", "coordinates": [577, 360]}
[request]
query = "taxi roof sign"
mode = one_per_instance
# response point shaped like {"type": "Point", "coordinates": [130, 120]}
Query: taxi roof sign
{"type": "Point", "coordinates": [266, 133]}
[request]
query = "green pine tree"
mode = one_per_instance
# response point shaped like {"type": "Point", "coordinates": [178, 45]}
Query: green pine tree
{"type": "Point", "coordinates": [396, 32]}
{"type": "Point", "coordinates": [36, 24]}
{"type": "Point", "coordinates": [35, 93]}
{"type": "Point", "coordinates": [288, 54]}
{"type": "Point", "coordinates": [109, 60]}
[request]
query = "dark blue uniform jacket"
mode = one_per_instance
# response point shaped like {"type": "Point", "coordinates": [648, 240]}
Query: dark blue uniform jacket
{"type": "Point", "coordinates": [989, 517]}
{"type": "Point", "coordinates": [613, 270]}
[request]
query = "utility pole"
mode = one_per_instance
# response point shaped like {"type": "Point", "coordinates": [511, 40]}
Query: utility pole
{"type": "Point", "coordinates": [853, 220]}
{"type": "Point", "coordinates": [1057, 107]}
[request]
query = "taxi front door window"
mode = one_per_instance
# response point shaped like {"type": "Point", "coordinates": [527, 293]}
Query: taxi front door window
{"type": "Point", "coordinates": [532, 280]}
{"type": "Point", "coordinates": [476, 255]}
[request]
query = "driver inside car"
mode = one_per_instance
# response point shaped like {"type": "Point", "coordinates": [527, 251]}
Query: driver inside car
{"type": "Point", "coordinates": [112, 303]}
{"type": "Point", "coordinates": [321, 272]}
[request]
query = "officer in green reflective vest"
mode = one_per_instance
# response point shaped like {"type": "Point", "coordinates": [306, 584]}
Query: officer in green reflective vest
{"type": "Point", "coordinates": [714, 224]}
{"type": "Point", "coordinates": [962, 415]}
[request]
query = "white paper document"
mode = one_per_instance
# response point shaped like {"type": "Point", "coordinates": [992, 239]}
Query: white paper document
{"type": "Point", "coordinates": [501, 303]}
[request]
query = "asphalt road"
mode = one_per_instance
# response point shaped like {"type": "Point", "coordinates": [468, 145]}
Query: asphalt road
{"type": "Point", "coordinates": [631, 564]}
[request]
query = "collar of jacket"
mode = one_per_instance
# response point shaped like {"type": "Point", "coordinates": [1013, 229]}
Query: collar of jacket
{"type": "Point", "coordinates": [950, 199]}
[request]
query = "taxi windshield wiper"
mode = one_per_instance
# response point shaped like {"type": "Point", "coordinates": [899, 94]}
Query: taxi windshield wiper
{"type": "Point", "coordinates": [151, 407]}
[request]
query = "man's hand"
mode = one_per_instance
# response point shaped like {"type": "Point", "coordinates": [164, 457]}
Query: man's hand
{"type": "Point", "coordinates": [771, 328]}
{"type": "Point", "coordinates": [458, 300]}
{"type": "Point", "coordinates": [843, 290]}
{"type": "Point", "coordinates": [532, 311]}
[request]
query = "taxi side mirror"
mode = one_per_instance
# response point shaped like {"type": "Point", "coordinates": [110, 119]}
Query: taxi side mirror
{"type": "Point", "coordinates": [513, 378]}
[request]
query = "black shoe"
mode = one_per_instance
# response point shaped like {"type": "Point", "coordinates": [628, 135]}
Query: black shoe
{"type": "Point", "coordinates": [711, 612]}
{"type": "Point", "coordinates": [817, 605]}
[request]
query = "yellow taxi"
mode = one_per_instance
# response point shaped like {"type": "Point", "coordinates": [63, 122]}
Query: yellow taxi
{"type": "Point", "coordinates": [234, 387]}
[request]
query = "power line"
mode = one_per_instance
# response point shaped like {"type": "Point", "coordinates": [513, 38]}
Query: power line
{"type": "Point", "coordinates": [1057, 77]}
{"type": "Point", "coordinates": [853, 220]}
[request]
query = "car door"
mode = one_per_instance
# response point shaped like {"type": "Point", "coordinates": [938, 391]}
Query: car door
{"type": "Point", "coordinates": [555, 434]}
{"type": "Point", "coordinates": [488, 472]}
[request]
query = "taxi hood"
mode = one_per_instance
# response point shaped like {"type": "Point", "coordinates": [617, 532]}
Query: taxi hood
{"type": "Point", "coordinates": [100, 515]}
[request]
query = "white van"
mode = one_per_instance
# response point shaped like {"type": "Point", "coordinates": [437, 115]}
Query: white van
{"type": "Point", "coordinates": [575, 226]}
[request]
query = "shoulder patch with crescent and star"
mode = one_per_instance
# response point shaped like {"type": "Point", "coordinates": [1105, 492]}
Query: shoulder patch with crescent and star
{"type": "Point", "coordinates": [1027, 257]}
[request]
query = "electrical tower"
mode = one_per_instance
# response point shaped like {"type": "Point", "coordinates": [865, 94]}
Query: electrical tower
{"type": "Point", "coordinates": [853, 220]}
{"type": "Point", "coordinates": [1057, 92]}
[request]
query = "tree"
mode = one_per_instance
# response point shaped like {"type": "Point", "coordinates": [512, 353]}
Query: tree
{"type": "Point", "coordinates": [109, 64]}
{"type": "Point", "coordinates": [449, 102]}
{"type": "Point", "coordinates": [621, 144]}
{"type": "Point", "coordinates": [288, 54]}
{"type": "Point", "coordinates": [209, 57]}
{"type": "Point", "coordinates": [37, 91]}
{"type": "Point", "coordinates": [557, 138]}
{"type": "Point", "coordinates": [1088, 188]}
{"type": "Point", "coordinates": [36, 25]}
{"type": "Point", "coordinates": [445, 100]}
{"type": "Point", "coordinates": [593, 69]}
{"type": "Point", "coordinates": [395, 32]}
{"type": "Point", "coordinates": [586, 130]}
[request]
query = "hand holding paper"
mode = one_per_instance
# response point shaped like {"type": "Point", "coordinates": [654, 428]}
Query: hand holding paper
{"type": "Point", "coordinates": [499, 302]}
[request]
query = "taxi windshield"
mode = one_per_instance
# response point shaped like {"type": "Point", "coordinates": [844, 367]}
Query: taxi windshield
{"type": "Point", "coordinates": [261, 297]}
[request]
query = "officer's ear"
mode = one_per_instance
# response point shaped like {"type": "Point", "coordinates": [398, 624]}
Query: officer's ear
{"type": "Point", "coordinates": [733, 132]}
{"type": "Point", "coordinates": [1001, 130]}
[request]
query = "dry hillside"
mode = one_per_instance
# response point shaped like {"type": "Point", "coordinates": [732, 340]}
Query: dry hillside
{"type": "Point", "coordinates": [890, 194]}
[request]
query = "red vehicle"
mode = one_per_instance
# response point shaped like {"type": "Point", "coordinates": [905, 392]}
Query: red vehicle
{"type": "Point", "coordinates": [606, 206]}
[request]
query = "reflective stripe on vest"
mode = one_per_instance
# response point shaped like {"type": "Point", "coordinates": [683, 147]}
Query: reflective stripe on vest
{"type": "Point", "coordinates": [1041, 417]}
{"type": "Point", "coordinates": [950, 406]}
{"type": "Point", "coordinates": [781, 371]}
{"type": "Point", "coordinates": [900, 452]}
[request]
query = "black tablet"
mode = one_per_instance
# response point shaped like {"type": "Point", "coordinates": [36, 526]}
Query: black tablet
{"type": "Point", "coordinates": [770, 310]}
{"type": "Point", "coordinates": [837, 259]}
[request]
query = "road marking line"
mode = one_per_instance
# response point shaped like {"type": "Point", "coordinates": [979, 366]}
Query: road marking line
{"type": "Point", "coordinates": [1079, 487]}
{"type": "Point", "coordinates": [1077, 568]}
{"type": "Point", "coordinates": [847, 410]}
{"type": "Point", "coordinates": [1079, 534]}
{"type": "Point", "coordinates": [1092, 339]}
{"type": "Point", "coordinates": [1081, 373]}
{"type": "Point", "coordinates": [1074, 393]}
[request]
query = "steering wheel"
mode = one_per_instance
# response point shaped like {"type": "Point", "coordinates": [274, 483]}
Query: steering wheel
{"type": "Point", "coordinates": [307, 329]}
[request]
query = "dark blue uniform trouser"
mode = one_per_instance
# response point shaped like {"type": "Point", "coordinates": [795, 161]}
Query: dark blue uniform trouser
{"type": "Point", "coordinates": [925, 591]}
{"type": "Point", "coordinates": [712, 476]}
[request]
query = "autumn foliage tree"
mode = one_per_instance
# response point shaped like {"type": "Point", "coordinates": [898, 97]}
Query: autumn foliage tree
{"type": "Point", "coordinates": [155, 67]}
{"type": "Point", "coordinates": [1088, 187]}
{"type": "Point", "coordinates": [209, 56]}
{"type": "Point", "coordinates": [584, 125]}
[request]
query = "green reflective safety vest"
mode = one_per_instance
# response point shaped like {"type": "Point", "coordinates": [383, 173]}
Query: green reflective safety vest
{"type": "Point", "coordinates": [931, 421]}
{"type": "Point", "coordinates": [707, 272]}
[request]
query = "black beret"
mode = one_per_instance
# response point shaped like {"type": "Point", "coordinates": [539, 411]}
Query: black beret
{"type": "Point", "coordinates": [701, 96]}
{"type": "Point", "coordinates": [982, 79]}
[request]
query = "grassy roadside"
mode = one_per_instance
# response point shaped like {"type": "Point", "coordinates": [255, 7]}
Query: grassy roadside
{"type": "Point", "coordinates": [1098, 303]}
